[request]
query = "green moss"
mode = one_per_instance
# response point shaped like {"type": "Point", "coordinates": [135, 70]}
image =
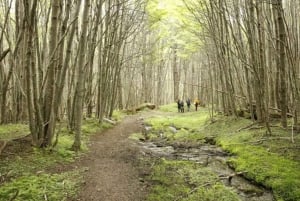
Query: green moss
{"type": "Point", "coordinates": [118, 115]}
{"type": "Point", "coordinates": [189, 126]}
{"type": "Point", "coordinates": [265, 160]}
{"type": "Point", "coordinates": [42, 187]}
{"type": "Point", "coordinates": [273, 171]}
{"type": "Point", "coordinates": [37, 161]}
{"type": "Point", "coordinates": [272, 161]}
{"type": "Point", "coordinates": [12, 131]}
{"type": "Point", "coordinates": [169, 108]}
{"type": "Point", "coordinates": [184, 180]}
{"type": "Point", "coordinates": [215, 192]}
{"type": "Point", "coordinates": [20, 171]}
{"type": "Point", "coordinates": [137, 136]}
{"type": "Point", "coordinates": [92, 126]}
{"type": "Point", "coordinates": [190, 120]}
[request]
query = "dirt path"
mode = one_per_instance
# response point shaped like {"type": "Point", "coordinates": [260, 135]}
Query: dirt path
{"type": "Point", "coordinates": [112, 174]}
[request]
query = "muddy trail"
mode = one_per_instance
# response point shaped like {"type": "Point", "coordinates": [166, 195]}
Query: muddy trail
{"type": "Point", "coordinates": [113, 172]}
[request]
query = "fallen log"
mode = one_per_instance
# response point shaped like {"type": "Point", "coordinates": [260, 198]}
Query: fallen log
{"type": "Point", "coordinates": [150, 106]}
{"type": "Point", "coordinates": [109, 121]}
{"type": "Point", "coordinates": [141, 107]}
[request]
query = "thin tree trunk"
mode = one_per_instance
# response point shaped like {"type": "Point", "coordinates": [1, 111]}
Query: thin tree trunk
{"type": "Point", "coordinates": [79, 90]}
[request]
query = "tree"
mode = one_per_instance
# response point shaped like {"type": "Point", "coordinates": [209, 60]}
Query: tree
{"type": "Point", "coordinates": [81, 66]}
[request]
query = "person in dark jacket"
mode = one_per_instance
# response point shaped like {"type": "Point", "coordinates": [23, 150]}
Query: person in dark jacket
{"type": "Point", "coordinates": [188, 104]}
{"type": "Point", "coordinates": [181, 106]}
{"type": "Point", "coordinates": [196, 103]}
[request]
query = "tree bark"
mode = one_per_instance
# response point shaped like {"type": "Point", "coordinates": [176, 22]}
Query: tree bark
{"type": "Point", "coordinates": [79, 90]}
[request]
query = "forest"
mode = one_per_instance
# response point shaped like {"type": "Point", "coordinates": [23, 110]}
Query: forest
{"type": "Point", "coordinates": [70, 68]}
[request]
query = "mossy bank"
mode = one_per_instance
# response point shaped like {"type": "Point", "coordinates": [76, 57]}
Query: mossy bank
{"type": "Point", "coordinates": [270, 161]}
{"type": "Point", "coordinates": [28, 173]}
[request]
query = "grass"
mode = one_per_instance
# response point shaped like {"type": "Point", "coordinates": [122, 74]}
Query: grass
{"type": "Point", "coordinates": [42, 187]}
{"type": "Point", "coordinates": [183, 180]}
{"type": "Point", "coordinates": [186, 181]}
{"type": "Point", "coordinates": [12, 131]}
{"type": "Point", "coordinates": [32, 174]}
{"type": "Point", "coordinates": [272, 161]}
{"type": "Point", "coordinates": [192, 121]}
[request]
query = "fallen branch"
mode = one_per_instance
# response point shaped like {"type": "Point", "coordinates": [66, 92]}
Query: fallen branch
{"type": "Point", "coordinates": [246, 127]}
{"type": "Point", "coordinates": [277, 138]}
{"type": "Point", "coordinates": [257, 127]}
{"type": "Point", "coordinates": [279, 110]}
{"type": "Point", "coordinates": [251, 142]}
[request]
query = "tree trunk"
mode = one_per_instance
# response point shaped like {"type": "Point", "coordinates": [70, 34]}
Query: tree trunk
{"type": "Point", "coordinates": [79, 90]}
{"type": "Point", "coordinates": [49, 116]}
{"type": "Point", "coordinates": [281, 44]}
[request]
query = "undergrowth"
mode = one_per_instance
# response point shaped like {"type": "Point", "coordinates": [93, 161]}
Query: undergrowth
{"type": "Point", "coordinates": [12, 131]}
{"type": "Point", "coordinates": [272, 161]}
{"type": "Point", "coordinates": [186, 181]}
{"type": "Point", "coordinates": [32, 175]}
{"type": "Point", "coordinates": [42, 187]}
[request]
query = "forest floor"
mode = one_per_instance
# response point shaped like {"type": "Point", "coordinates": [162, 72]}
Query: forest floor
{"type": "Point", "coordinates": [155, 155]}
{"type": "Point", "coordinates": [112, 173]}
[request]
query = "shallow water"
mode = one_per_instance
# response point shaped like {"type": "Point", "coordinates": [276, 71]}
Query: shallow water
{"type": "Point", "coordinates": [215, 158]}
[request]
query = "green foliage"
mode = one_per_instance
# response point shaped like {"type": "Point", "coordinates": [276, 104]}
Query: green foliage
{"type": "Point", "coordinates": [188, 124]}
{"type": "Point", "coordinates": [184, 180]}
{"type": "Point", "coordinates": [272, 161]}
{"type": "Point", "coordinates": [137, 136]}
{"type": "Point", "coordinates": [92, 125]}
{"type": "Point", "coordinates": [36, 161]}
{"type": "Point", "coordinates": [12, 131]}
{"type": "Point", "coordinates": [266, 159]}
{"type": "Point", "coordinates": [42, 187]}
{"type": "Point", "coordinates": [173, 24]}
{"type": "Point", "coordinates": [63, 150]}
{"type": "Point", "coordinates": [269, 169]}
{"type": "Point", "coordinates": [118, 115]}
{"type": "Point", "coordinates": [27, 172]}
{"type": "Point", "coordinates": [169, 108]}
{"type": "Point", "coordinates": [192, 121]}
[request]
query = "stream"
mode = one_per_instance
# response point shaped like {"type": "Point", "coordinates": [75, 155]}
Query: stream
{"type": "Point", "coordinates": [215, 158]}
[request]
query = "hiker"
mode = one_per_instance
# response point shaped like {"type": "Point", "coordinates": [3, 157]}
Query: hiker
{"type": "Point", "coordinates": [188, 103]}
{"type": "Point", "coordinates": [196, 103]}
{"type": "Point", "coordinates": [181, 106]}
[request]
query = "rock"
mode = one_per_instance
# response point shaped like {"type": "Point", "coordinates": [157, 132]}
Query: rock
{"type": "Point", "coordinates": [173, 129]}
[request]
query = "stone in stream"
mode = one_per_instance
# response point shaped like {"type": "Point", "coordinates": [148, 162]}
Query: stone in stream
{"type": "Point", "coordinates": [214, 158]}
{"type": "Point", "coordinates": [146, 131]}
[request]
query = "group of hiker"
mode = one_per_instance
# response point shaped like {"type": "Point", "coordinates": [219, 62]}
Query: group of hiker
{"type": "Point", "coordinates": [180, 104]}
